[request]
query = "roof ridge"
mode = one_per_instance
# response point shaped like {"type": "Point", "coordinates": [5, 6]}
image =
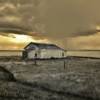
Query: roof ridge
{"type": "Point", "coordinates": [44, 45]}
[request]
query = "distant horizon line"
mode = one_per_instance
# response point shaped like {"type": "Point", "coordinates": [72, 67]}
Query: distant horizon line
{"type": "Point", "coordinates": [65, 50]}
{"type": "Point", "coordinates": [11, 50]}
{"type": "Point", "coordinates": [82, 49]}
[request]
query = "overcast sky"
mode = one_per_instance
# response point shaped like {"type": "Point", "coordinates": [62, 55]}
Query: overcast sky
{"type": "Point", "coordinates": [68, 23]}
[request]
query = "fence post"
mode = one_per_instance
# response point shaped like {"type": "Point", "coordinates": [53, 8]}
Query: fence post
{"type": "Point", "coordinates": [35, 62]}
{"type": "Point", "coordinates": [64, 64]}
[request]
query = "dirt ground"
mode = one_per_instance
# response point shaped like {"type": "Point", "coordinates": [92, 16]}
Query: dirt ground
{"type": "Point", "coordinates": [58, 79]}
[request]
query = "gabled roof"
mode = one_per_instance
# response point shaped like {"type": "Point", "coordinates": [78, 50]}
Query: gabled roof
{"type": "Point", "coordinates": [31, 45]}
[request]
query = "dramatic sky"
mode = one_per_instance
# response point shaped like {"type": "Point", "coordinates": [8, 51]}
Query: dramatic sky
{"type": "Point", "coordinates": [71, 24]}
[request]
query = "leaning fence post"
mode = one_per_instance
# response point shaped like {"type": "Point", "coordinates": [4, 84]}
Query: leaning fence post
{"type": "Point", "coordinates": [35, 62]}
{"type": "Point", "coordinates": [64, 64]}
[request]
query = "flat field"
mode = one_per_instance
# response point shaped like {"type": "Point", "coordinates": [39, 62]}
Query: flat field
{"type": "Point", "coordinates": [73, 78]}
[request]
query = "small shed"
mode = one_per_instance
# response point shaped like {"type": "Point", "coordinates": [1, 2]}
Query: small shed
{"type": "Point", "coordinates": [42, 51]}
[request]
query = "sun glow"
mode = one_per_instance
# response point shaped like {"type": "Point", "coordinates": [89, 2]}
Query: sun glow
{"type": "Point", "coordinates": [13, 41]}
{"type": "Point", "coordinates": [16, 38]}
{"type": "Point", "coordinates": [21, 38]}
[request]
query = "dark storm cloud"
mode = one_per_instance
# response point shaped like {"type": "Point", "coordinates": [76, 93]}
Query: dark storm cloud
{"type": "Point", "coordinates": [72, 17]}
{"type": "Point", "coordinates": [19, 13]}
{"type": "Point", "coordinates": [54, 18]}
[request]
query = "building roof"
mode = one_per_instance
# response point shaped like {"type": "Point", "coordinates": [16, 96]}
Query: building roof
{"type": "Point", "coordinates": [31, 45]}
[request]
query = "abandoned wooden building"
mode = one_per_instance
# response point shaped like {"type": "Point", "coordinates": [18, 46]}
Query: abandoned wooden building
{"type": "Point", "coordinates": [42, 51]}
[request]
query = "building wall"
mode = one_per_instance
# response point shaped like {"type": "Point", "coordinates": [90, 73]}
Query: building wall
{"type": "Point", "coordinates": [51, 53]}
{"type": "Point", "coordinates": [31, 54]}
{"type": "Point", "coordinates": [46, 53]}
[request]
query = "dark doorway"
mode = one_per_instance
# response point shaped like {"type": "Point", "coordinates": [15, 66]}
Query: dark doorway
{"type": "Point", "coordinates": [25, 55]}
{"type": "Point", "coordinates": [62, 54]}
{"type": "Point", "coordinates": [35, 56]}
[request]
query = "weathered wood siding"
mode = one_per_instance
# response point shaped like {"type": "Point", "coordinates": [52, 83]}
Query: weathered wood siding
{"type": "Point", "coordinates": [31, 54]}
{"type": "Point", "coordinates": [46, 53]}
{"type": "Point", "coordinates": [51, 53]}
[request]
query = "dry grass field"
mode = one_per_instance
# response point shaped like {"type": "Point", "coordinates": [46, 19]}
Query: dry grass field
{"type": "Point", "coordinates": [72, 78]}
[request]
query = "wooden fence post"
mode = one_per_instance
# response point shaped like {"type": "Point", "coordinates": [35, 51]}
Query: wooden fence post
{"type": "Point", "coordinates": [64, 64]}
